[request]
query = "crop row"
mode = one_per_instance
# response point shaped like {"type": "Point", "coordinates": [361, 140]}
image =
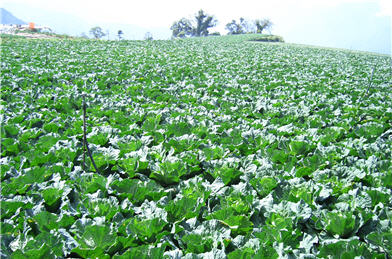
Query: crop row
{"type": "Point", "coordinates": [213, 147]}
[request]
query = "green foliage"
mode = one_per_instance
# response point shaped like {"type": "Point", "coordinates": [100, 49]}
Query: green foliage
{"type": "Point", "coordinates": [268, 38]}
{"type": "Point", "coordinates": [227, 174]}
{"type": "Point", "coordinates": [143, 252]}
{"type": "Point", "coordinates": [199, 27]}
{"type": "Point", "coordinates": [279, 228]}
{"type": "Point", "coordinates": [185, 208]}
{"type": "Point", "coordinates": [181, 28]}
{"type": "Point", "coordinates": [243, 254]}
{"type": "Point", "coordinates": [242, 27]}
{"type": "Point", "coordinates": [238, 224]}
{"type": "Point", "coordinates": [209, 147]}
{"type": "Point", "coordinates": [10, 130]}
{"type": "Point", "coordinates": [264, 185]}
{"type": "Point", "coordinates": [345, 249]}
{"type": "Point", "coordinates": [94, 241]}
{"type": "Point", "coordinates": [147, 231]}
{"type": "Point", "coordinates": [341, 224]}
{"type": "Point", "coordinates": [99, 139]}
{"type": "Point", "coordinates": [92, 183]}
{"type": "Point", "coordinates": [197, 244]}
{"type": "Point", "coordinates": [382, 240]}
{"type": "Point", "coordinates": [169, 173]}
{"type": "Point", "coordinates": [262, 25]}
{"type": "Point", "coordinates": [97, 32]}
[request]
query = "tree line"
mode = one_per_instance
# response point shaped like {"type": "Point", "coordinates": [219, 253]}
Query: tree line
{"type": "Point", "coordinates": [97, 33]}
{"type": "Point", "coordinates": [202, 22]}
{"type": "Point", "coordinates": [199, 26]}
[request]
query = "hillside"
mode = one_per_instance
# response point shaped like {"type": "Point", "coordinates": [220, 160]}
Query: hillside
{"type": "Point", "coordinates": [213, 147]}
{"type": "Point", "coordinates": [8, 18]}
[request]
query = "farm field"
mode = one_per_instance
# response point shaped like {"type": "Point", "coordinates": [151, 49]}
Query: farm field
{"type": "Point", "coordinates": [214, 147]}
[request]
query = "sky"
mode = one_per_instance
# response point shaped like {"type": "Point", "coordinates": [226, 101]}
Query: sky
{"type": "Point", "coordinates": [352, 24]}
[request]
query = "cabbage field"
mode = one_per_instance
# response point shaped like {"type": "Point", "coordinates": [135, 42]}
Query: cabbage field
{"type": "Point", "coordinates": [214, 147]}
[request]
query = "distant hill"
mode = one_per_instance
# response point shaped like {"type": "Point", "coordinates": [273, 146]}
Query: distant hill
{"type": "Point", "coordinates": [8, 18]}
{"type": "Point", "coordinates": [67, 23]}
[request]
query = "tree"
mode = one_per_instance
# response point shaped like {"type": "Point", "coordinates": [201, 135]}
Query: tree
{"type": "Point", "coordinates": [120, 34]}
{"type": "Point", "coordinates": [262, 25]}
{"type": "Point", "coordinates": [203, 23]}
{"type": "Point", "coordinates": [181, 28]}
{"type": "Point", "coordinates": [234, 28]}
{"type": "Point", "coordinates": [97, 32]}
{"type": "Point", "coordinates": [148, 36]}
{"type": "Point", "coordinates": [244, 26]}
{"type": "Point", "coordinates": [199, 27]}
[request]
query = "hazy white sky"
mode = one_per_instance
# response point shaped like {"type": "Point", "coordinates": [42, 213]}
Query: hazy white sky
{"type": "Point", "coordinates": [156, 13]}
{"type": "Point", "coordinates": [290, 17]}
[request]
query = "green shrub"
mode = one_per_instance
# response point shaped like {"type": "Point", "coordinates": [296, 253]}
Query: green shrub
{"type": "Point", "coordinates": [268, 38]}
